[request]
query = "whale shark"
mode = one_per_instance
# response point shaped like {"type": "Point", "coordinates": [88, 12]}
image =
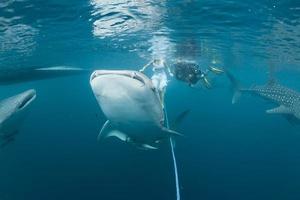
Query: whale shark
{"type": "Point", "coordinates": [288, 100]}
{"type": "Point", "coordinates": [12, 113]}
{"type": "Point", "coordinates": [12, 76]}
{"type": "Point", "coordinates": [132, 107]}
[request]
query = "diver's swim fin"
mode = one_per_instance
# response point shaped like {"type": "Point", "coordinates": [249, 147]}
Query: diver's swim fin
{"type": "Point", "coordinates": [207, 83]}
{"type": "Point", "coordinates": [216, 70]}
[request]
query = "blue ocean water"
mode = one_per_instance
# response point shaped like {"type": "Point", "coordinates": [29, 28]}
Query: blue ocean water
{"type": "Point", "coordinates": [227, 152]}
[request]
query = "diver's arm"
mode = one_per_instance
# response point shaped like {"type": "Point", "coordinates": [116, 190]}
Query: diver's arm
{"type": "Point", "coordinates": [169, 70]}
{"type": "Point", "coordinates": [145, 66]}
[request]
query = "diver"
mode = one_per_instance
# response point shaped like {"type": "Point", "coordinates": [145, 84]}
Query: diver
{"type": "Point", "coordinates": [160, 76]}
{"type": "Point", "coordinates": [191, 73]}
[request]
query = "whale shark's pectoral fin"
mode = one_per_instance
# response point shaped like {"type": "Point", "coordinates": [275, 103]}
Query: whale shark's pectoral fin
{"type": "Point", "coordinates": [170, 132]}
{"type": "Point", "coordinates": [280, 110]}
{"type": "Point", "coordinates": [145, 146]}
{"type": "Point", "coordinates": [108, 130]}
{"type": "Point", "coordinates": [104, 128]}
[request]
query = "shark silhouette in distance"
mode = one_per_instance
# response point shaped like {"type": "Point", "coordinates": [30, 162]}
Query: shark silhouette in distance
{"type": "Point", "coordinates": [13, 110]}
{"type": "Point", "coordinates": [288, 100]}
{"type": "Point", "coordinates": [12, 76]}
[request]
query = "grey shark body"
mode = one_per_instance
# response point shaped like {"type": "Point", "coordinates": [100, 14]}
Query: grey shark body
{"type": "Point", "coordinates": [132, 107]}
{"type": "Point", "coordinates": [12, 113]}
{"type": "Point", "coordinates": [12, 76]}
{"type": "Point", "coordinates": [288, 100]}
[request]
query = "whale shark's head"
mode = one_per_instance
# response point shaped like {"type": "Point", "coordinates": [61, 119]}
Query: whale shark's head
{"type": "Point", "coordinates": [125, 95]}
{"type": "Point", "coordinates": [15, 105]}
{"type": "Point", "coordinates": [115, 83]}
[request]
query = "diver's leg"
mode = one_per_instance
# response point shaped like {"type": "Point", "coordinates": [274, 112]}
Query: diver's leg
{"type": "Point", "coordinates": [162, 96]}
{"type": "Point", "coordinates": [162, 87]}
{"type": "Point", "coordinates": [155, 81]}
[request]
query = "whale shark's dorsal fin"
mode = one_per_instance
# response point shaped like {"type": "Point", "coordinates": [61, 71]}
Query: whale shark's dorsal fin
{"type": "Point", "coordinates": [271, 75]}
{"type": "Point", "coordinates": [271, 82]}
{"type": "Point", "coordinates": [179, 119]}
{"type": "Point", "coordinates": [280, 110]}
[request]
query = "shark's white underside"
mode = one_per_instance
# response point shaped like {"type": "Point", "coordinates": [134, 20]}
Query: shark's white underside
{"type": "Point", "coordinates": [132, 107]}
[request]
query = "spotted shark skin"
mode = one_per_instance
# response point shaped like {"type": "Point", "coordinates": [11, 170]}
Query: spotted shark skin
{"type": "Point", "coordinates": [287, 99]}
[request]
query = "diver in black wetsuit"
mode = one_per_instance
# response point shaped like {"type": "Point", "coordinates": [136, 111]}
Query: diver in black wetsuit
{"type": "Point", "coordinates": [191, 73]}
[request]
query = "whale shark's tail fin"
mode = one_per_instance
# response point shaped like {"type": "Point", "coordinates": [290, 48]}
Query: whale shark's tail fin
{"type": "Point", "coordinates": [235, 87]}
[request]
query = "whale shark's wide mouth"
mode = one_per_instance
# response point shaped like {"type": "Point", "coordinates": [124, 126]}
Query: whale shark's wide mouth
{"type": "Point", "coordinates": [131, 74]}
{"type": "Point", "coordinates": [28, 97]}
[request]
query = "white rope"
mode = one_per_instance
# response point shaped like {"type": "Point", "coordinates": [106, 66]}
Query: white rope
{"type": "Point", "coordinates": [174, 158]}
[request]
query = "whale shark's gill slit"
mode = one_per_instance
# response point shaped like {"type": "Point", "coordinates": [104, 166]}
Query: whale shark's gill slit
{"type": "Point", "coordinates": [25, 101]}
{"type": "Point", "coordinates": [136, 77]}
{"type": "Point", "coordinates": [173, 157]}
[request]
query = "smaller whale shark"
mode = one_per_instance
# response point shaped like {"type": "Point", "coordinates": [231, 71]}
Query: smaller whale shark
{"type": "Point", "coordinates": [12, 113]}
{"type": "Point", "coordinates": [12, 76]}
{"type": "Point", "coordinates": [132, 106]}
{"type": "Point", "coordinates": [288, 100]}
